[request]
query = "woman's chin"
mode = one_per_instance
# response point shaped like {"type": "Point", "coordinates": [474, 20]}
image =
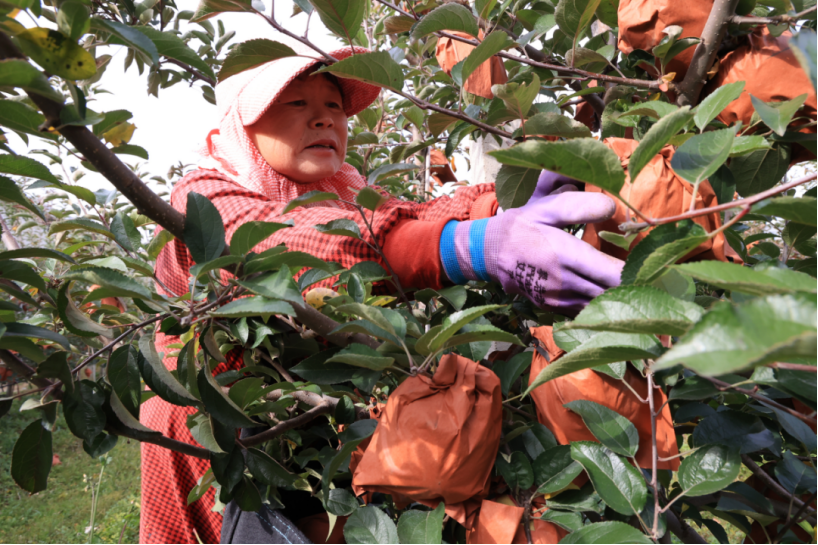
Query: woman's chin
{"type": "Point", "coordinates": [309, 176]}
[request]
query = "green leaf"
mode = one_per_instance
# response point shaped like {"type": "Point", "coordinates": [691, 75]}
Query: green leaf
{"type": "Point", "coordinates": [573, 16]}
{"type": "Point", "coordinates": [388, 170]}
{"type": "Point", "coordinates": [20, 165]}
{"type": "Point", "coordinates": [801, 210]}
{"type": "Point", "coordinates": [359, 355]}
{"type": "Point", "coordinates": [709, 470]}
{"type": "Point", "coordinates": [219, 405]}
{"type": "Point", "coordinates": [80, 223]}
{"type": "Point", "coordinates": [515, 185]}
{"type": "Point", "coordinates": [795, 475]}
{"type": "Point", "coordinates": [371, 314]}
{"type": "Point", "coordinates": [201, 428]}
{"type": "Point", "coordinates": [318, 370]}
{"type": "Point", "coordinates": [22, 118]}
{"type": "Point", "coordinates": [83, 410]}
{"type": "Point", "coordinates": [31, 458]}
{"type": "Point", "coordinates": [223, 262]}
{"type": "Point", "coordinates": [518, 97]}
{"type": "Point", "coordinates": [777, 115]}
{"type": "Point", "coordinates": [267, 470]}
{"type": "Point", "coordinates": [252, 53]}
{"type": "Point", "coordinates": [743, 145]}
{"type": "Point", "coordinates": [370, 199]}
{"type": "Point", "coordinates": [760, 170]}
{"type": "Point", "coordinates": [715, 102]}
{"type": "Point", "coordinates": [509, 371]}
{"type": "Point", "coordinates": [250, 234]}
{"type": "Point", "coordinates": [455, 321]}
{"type": "Point", "coordinates": [204, 229]}
{"type": "Point", "coordinates": [253, 306]}
{"type": "Point", "coordinates": [564, 519]}
{"type": "Point", "coordinates": [610, 532]}
{"type": "Point", "coordinates": [611, 428]}
{"type": "Point", "coordinates": [656, 138]}
{"type": "Point", "coordinates": [124, 419]}
{"type": "Point", "coordinates": [735, 277]}
{"type": "Point", "coordinates": [278, 285]}
{"type": "Point", "coordinates": [341, 502]}
{"type": "Point", "coordinates": [370, 525]}
{"type": "Point", "coordinates": [446, 17]}
{"type": "Point", "coordinates": [56, 367]}
{"type": "Point", "coordinates": [158, 378]}
{"type": "Point", "coordinates": [73, 19]}
{"type": "Point", "coordinates": [126, 35]}
{"type": "Point", "coordinates": [492, 44]}
{"type": "Point", "coordinates": [170, 45]}
{"type": "Point", "coordinates": [11, 192]}
{"type": "Point", "coordinates": [422, 526]}
{"type": "Point", "coordinates": [551, 124]}
{"type": "Point", "coordinates": [36, 252]}
{"type": "Point", "coordinates": [585, 159]}
{"type": "Point", "coordinates": [19, 73]}
{"type": "Point", "coordinates": [340, 227]}
{"type": "Point", "coordinates": [377, 68]}
{"type": "Point", "coordinates": [118, 283]}
{"type": "Point", "coordinates": [619, 484]}
{"type": "Point", "coordinates": [76, 321]}
{"type": "Point", "coordinates": [693, 388]}
{"type": "Point", "coordinates": [17, 329]}
{"type": "Point", "coordinates": [702, 155]}
{"type": "Point", "coordinates": [733, 429]}
{"type": "Point", "coordinates": [803, 46]}
{"type": "Point", "coordinates": [342, 17]}
{"type": "Point", "coordinates": [122, 373]}
{"type": "Point", "coordinates": [397, 24]}
{"type": "Point", "coordinates": [637, 309]}
{"type": "Point", "coordinates": [158, 242]}
{"type": "Point", "coordinates": [210, 8]}
{"type": "Point", "coordinates": [309, 198]}
{"type": "Point", "coordinates": [554, 469]}
{"type": "Point", "coordinates": [517, 472]}
{"type": "Point", "coordinates": [733, 337]}
{"type": "Point", "coordinates": [598, 350]}
{"type": "Point", "coordinates": [663, 246]}
{"type": "Point", "coordinates": [473, 333]}
{"type": "Point", "coordinates": [125, 232]}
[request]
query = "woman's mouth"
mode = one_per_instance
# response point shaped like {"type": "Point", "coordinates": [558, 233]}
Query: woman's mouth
{"type": "Point", "coordinates": [322, 145]}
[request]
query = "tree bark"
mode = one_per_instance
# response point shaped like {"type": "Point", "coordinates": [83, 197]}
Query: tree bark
{"type": "Point", "coordinates": [705, 54]}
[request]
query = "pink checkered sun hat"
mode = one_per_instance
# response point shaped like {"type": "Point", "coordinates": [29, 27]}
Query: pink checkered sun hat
{"type": "Point", "coordinates": [251, 92]}
{"type": "Point", "coordinates": [242, 99]}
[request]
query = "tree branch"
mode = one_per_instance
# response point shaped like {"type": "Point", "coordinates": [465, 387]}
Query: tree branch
{"type": "Point", "coordinates": [23, 369]}
{"type": "Point", "coordinates": [758, 397]}
{"type": "Point", "coordinates": [774, 20]}
{"type": "Point", "coordinates": [681, 529]}
{"type": "Point", "coordinates": [705, 54]}
{"type": "Point", "coordinates": [793, 519]}
{"type": "Point", "coordinates": [632, 226]}
{"type": "Point", "coordinates": [287, 425]}
{"type": "Point", "coordinates": [769, 481]}
{"type": "Point", "coordinates": [131, 329]}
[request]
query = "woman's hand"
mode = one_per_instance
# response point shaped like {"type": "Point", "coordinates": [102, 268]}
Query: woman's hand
{"type": "Point", "coordinates": [527, 252]}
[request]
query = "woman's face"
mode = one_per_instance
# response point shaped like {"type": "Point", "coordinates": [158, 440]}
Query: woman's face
{"type": "Point", "coordinates": [303, 135]}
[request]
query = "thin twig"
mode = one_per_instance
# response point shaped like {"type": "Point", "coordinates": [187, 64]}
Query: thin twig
{"type": "Point", "coordinates": [654, 458]}
{"type": "Point", "coordinates": [632, 226]}
{"type": "Point", "coordinates": [774, 20]}
{"type": "Point", "coordinates": [277, 366]}
{"type": "Point", "coordinates": [794, 367]}
{"type": "Point", "coordinates": [131, 329]}
{"type": "Point", "coordinates": [722, 386]}
{"type": "Point", "coordinates": [794, 519]}
{"type": "Point", "coordinates": [769, 481]}
{"type": "Point", "coordinates": [287, 425]}
{"type": "Point", "coordinates": [196, 74]}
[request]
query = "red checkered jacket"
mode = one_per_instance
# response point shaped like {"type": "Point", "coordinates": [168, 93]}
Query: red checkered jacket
{"type": "Point", "coordinates": [408, 232]}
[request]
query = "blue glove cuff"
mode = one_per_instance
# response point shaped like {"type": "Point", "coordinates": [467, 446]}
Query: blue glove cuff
{"type": "Point", "coordinates": [448, 255]}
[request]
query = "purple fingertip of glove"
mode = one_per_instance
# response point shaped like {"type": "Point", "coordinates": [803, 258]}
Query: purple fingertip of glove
{"type": "Point", "coordinates": [527, 252]}
{"type": "Point", "coordinates": [550, 183]}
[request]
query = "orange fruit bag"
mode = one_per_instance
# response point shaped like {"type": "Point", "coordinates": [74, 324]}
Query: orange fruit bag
{"type": "Point", "coordinates": [450, 52]}
{"type": "Point", "coordinates": [658, 192]}
{"type": "Point", "coordinates": [589, 385]}
{"type": "Point", "coordinates": [500, 522]}
{"type": "Point", "coordinates": [436, 439]}
{"type": "Point", "coordinates": [760, 63]}
{"type": "Point", "coordinates": [642, 22]}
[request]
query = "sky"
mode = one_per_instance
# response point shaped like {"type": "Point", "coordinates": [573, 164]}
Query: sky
{"type": "Point", "coordinates": [172, 127]}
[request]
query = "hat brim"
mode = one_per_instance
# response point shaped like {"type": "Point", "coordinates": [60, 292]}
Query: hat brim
{"type": "Point", "coordinates": [357, 95]}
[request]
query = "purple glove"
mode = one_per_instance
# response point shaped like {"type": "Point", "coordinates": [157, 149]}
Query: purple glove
{"type": "Point", "coordinates": [527, 252]}
{"type": "Point", "coordinates": [552, 183]}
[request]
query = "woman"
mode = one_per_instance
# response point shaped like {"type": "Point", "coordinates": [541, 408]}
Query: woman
{"type": "Point", "coordinates": [283, 132]}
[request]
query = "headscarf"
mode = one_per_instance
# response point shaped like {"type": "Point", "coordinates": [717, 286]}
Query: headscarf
{"type": "Point", "coordinates": [243, 98]}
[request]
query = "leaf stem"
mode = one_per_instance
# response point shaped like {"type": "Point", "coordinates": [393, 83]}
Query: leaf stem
{"type": "Point", "coordinates": [722, 386]}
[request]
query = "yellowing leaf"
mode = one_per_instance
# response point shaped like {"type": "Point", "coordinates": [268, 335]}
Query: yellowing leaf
{"type": "Point", "coordinates": [120, 134]}
{"type": "Point", "coordinates": [670, 76]}
{"type": "Point", "coordinates": [57, 54]}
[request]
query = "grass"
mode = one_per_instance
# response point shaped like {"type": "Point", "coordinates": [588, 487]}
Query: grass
{"type": "Point", "coordinates": [62, 513]}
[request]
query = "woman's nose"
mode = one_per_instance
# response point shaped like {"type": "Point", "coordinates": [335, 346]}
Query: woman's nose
{"type": "Point", "coordinates": [321, 119]}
